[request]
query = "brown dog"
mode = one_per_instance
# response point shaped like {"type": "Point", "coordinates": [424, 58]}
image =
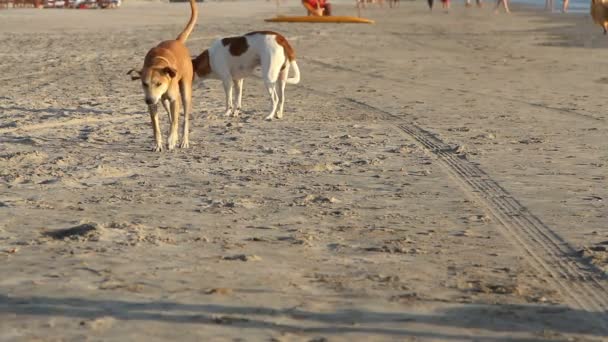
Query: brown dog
{"type": "Point", "coordinates": [599, 13]}
{"type": "Point", "coordinates": [167, 74]}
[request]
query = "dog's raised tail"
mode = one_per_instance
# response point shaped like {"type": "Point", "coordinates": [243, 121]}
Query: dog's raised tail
{"type": "Point", "coordinates": [188, 29]}
{"type": "Point", "coordinates": [296, 73]}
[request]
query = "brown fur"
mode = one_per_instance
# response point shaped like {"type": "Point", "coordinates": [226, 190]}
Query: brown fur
{"type": "Point", "coordinates": [201, 64]}
{"type": "Point", "coordinates": [166, 77]}
{"type": "Point", "coordinates": [599, 13]}
{"type": "Point", "coordinates": [190, 26]}
{"type": "Point", "coordinates": [237, 45]}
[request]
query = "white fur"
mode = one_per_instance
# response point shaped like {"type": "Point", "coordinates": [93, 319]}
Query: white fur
{"type": "Point", "coordinates": [263, 51]}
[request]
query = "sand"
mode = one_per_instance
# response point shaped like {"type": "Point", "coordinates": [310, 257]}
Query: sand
{"type": "Point", "coordinates": [437, 177]}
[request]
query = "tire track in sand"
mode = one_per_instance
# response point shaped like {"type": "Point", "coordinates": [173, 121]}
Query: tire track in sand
{"type": "Point", "coordinates": [582, 285]}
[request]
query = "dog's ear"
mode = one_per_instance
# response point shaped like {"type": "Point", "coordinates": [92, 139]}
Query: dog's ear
{"type": "Point", "coordinates": [170, 71]}
{"type": "Point", "coordinates": [134, 77]}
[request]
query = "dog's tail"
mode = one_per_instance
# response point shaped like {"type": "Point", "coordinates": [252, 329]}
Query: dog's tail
{"type": "Point", "coordinates": [296, 73]}
{"type": "Point", "coordinates": [188, 29]}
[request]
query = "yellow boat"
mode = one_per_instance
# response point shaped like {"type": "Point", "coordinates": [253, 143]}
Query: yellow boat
{"type": "Point", "coordinates": [315, 19]}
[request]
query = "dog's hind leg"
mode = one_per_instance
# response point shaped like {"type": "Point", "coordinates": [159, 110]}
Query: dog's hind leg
{"type": "Point", "coordinates": [281, 91]}
{"type": "Point", "coordinates": [186, 93]}
{"type": "Point", "coordinates": [158, 138]}
{"type": "Point", "coordinates": [274, 99]}
{"type": "Point", "coordinates": [173, 134]}
{"type": "Point", "coordinates": [238, 84]}
{"type": "Point", "coordinates": [228, 92]}
{"type": "Point", "coordinates": [270, 74]}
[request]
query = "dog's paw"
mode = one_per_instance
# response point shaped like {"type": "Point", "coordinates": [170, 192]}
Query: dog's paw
{"type": "Point", "coordinates": [269, 118]}
{"type": "Point", "coordinates": [157, 148]}
{"type": "Point", "coordinates": [228, 112]}
{"type": "Point", "coordinates": [171, 142]}
{"type": "Point", "coordinates": [236, 112]}
{"type": "Point", "coordinates": [279, 115]}
{"type": "Point", "coordinates": [184, 144]}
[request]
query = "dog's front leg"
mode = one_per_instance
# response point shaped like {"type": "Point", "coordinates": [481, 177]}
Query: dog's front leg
{"type": "Point", "coordinates": [186, 93]}
{"type": "Point", "coordinates": [174, 106]}
{"type": "Point", "coordinates": [228, 92]}
{"type": "Point", "coordinates": [153, 109]}
{"type": "Point", "coordinates": [166, 104]}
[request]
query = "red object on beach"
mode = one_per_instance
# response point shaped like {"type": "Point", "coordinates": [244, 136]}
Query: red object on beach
{"type": "Point", "coordinates": [314, 3]}
{"type": "Point", "coordinates": [20, 3]}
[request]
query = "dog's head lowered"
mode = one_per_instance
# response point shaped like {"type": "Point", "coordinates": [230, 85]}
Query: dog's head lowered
{"type": "Point", "coordinates": [155, 81]}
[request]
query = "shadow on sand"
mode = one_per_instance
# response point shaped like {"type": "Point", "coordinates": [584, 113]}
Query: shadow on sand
{"type": "Point", "coordinates": [498, 318]}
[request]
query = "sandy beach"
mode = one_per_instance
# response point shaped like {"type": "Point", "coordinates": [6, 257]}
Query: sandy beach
{"type": "Point", "coordinates": [436, 177]}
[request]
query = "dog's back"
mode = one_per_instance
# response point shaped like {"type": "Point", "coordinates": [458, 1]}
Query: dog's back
{"type": "Point", "coordinates": [273, 41]}
{"type": "Point", "coordinates": [174, 51]}
{"type": "Point", "coordinates": [239, 56]}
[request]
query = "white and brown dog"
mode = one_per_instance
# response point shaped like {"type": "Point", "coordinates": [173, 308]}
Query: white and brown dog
{"type": "Point", "coordinates": [232, 59]}
{"type": "Point", "coordinates": [165, 77]}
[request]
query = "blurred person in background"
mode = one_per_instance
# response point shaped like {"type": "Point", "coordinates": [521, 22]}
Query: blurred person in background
{"type": "Point", "coordinates": [505, 4]}
{"type": "Point", "coordinates": [549, 5]}
{"type": "Point", "coordinates": [317, 8]}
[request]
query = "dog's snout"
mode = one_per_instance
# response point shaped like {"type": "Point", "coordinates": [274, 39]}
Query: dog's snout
{"type": "Point", "coordinates": [149, 101]}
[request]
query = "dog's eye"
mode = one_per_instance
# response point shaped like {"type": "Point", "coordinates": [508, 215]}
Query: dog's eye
{"type": "Point", "coordinates": [158, 84]}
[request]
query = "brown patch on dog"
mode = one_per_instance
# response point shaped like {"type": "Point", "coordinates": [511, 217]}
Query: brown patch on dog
{"type": "Point", "coordinates": [289, 52]}
{"type": "Point", "coordinates": [201, 64]}
{"type": "Point", "coordinates": [262, 32]}
{"type": "Point", "coordinates": [281, 40]}
{"type": "Point", "coordinates": [238, 45]}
